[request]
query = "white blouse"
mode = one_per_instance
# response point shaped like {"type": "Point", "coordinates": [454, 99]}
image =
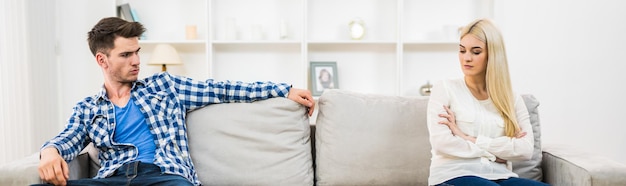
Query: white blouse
{"type": "Point", "coordinates": [452, 156]}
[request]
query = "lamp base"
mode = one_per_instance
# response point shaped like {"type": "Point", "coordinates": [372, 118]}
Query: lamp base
{"type": "Point", "coordinates": [163, 68]}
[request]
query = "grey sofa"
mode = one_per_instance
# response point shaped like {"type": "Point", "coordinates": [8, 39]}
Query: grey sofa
{"type": "Point", "coordinates": [358, 139]}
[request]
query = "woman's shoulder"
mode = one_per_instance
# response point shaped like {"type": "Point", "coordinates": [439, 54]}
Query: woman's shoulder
{"type": "Point", "coordinates": [450, 83]}
{"type": "Point", "coordinates": [518, 98]}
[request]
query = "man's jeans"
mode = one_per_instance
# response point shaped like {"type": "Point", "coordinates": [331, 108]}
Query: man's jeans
{"type": "Point", "coordinates": [134, 173]}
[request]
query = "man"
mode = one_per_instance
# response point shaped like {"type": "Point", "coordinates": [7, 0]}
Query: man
{"type": "Point", "coordinates": [138, 126]}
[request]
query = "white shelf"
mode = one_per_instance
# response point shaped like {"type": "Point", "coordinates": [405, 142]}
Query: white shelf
{"type": "Point", "coordinates": [406, 44]}
{"type": "Point", "coordinates": [433, 42]}
{"type": "Point", "coordinates": [343, 42]}
{"type": "Point", "coordinates": [241, 42]}
{"type": "Point", "coordinates": [175, 42]}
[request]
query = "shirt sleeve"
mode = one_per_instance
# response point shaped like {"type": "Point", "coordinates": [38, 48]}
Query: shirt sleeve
{"type": "Point", "coordinates": [72, 139]}
{"type": "Point", "coordinates": [510, 148]}
{"type": "Point", "coordinates": [441, 138]}
{"type": "Point", "coordinates": [194, 94]}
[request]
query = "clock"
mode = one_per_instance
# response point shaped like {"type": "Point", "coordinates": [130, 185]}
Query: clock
{"type": "Point", "coordinates": [357, 29]}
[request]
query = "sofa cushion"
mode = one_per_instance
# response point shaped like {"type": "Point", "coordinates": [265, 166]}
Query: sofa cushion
{"type": "Point", "coordinates": [260, 143]}
{"type": "Point", "coordinates": [364, 139]}
{"type": "Point", "coordinates": [532, 169]}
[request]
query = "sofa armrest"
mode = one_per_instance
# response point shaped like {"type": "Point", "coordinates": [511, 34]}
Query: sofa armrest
{"type": "Point", "coordinates": [24, 171]}
{"type": "Point", "coordinates": [79, 167]}
{"type": "Point", "coordinates": [567, 166]}
{"type": "Point", "coordinates": [20, 172]}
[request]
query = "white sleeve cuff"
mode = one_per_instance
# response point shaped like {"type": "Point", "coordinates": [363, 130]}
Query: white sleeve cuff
{"type": "Point", "coordinates": [483, 142]}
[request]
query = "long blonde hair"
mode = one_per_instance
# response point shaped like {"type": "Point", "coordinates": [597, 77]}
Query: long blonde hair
{"type": "Point", "coordinates": [497, 76]}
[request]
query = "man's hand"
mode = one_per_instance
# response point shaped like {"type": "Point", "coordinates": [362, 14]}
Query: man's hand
{"type": "Point", "coordinates": [303, 97]}
{"type": "Point", "coordinates": [52, 167]}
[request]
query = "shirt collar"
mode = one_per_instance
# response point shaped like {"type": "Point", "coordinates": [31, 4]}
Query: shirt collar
{"type": "Point", "coordinates": [102, 94]}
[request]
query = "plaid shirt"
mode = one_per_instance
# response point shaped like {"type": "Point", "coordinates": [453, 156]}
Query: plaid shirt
{"type": "Point", "coordinates": [164, 100]}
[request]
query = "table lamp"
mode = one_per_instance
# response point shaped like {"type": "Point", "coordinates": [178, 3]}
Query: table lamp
{"type": "Point", "coordinates": [164, 54]}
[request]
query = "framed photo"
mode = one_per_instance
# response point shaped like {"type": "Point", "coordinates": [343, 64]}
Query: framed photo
{"type": "Point", "coordinates": [323, 76]}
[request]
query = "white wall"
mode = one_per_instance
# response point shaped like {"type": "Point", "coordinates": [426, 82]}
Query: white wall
{"type": "Point", "coordinates": [569, 54]}
{"type": "Point", "coordinates": [27, 77]}
{"type": "Point", "coordinates": [46, 68]}
{"type": "Point", "coordinates": [79, 75]}
{"type": "Point", "coordinates": [566, 53]}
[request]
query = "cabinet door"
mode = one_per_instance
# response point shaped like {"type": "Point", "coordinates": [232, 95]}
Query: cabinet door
{"type": "Point", "coordinates": [257, 40]}
{"type": "Point", "coordinates": [367, 64]}
{"type": "Point", "coordinates": [167, 22]}
{"type": "Point", "coordinates": [329, 20]}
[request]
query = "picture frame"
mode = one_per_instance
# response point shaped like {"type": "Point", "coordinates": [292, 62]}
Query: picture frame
{"type": "Point", "coordinates": [323, 76]}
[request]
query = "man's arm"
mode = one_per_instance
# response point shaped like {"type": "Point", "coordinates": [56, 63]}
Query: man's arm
{"type": "Point", "coordinates": [194, 94]}
{"type": "Point", "coordinates": [52, 167]}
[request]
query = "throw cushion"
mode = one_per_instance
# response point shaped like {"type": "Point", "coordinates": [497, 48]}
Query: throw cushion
{"type": "Point", "coordinates": [364, 139]}
{"type": "Point", "coordinates": [260, 143]}
{"type": "Point", "coordinates": [532, 169]}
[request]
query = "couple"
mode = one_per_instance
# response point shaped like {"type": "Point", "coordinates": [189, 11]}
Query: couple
{"type": "Point", "coordinates": [124, 120]}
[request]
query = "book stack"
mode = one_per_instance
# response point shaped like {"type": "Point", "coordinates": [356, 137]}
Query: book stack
{"type": "Point", "coordinates": [125, 12]}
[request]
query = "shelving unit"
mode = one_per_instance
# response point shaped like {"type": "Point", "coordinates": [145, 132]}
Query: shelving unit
{"type": "Point", "coordinates": [407, 42]}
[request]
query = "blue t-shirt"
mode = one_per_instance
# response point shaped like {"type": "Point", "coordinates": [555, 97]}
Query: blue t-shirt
{"type": "Point", "coordinates": [132, 128]}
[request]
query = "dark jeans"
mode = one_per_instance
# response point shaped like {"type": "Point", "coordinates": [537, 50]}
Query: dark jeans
{"type": "Point", "coordinates": [478, 181]}
{"type": "Point", "coordinates": [134, 173]}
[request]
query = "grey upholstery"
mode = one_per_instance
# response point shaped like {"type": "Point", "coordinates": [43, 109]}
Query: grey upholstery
{"type": "Point", "coordinates": [262, 143]}
{"type": "Point", "coordinates": [371, 140]}
{"type": "Point", "coordinates": [358, 139]}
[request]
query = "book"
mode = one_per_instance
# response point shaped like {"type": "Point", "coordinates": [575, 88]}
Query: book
{"type": "Point", "coordinates": [124, 12]}
{"type": "Point", "coordinates": [133, 13]}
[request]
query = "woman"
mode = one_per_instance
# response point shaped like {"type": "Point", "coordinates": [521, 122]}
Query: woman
{"type": "Point", "coordinates": [476, 125]}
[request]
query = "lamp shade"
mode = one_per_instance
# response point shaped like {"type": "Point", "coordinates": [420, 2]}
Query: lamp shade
{"type": "Point", "coordinates": [164, 54]}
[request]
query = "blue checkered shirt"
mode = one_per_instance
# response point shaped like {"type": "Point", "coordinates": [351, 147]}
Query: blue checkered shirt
{"type": "Point", "coordinates": [164, 100]}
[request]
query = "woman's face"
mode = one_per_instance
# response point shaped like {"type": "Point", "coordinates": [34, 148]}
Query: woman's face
{"type": "Point", "coordinates": [473, 56]}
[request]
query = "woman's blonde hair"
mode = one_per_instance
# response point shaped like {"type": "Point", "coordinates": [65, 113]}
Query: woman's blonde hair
{"type": "Point", "coordinates": [497, 76]}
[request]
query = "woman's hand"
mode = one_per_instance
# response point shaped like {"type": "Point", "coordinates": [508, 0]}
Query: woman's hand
{"type": "Point", "coordinates": [450, 121]}
{"type": "Point", "coordinates": [519, 135]}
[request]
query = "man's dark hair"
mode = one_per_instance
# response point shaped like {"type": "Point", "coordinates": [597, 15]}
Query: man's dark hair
{"type": "Point", "coordinates": [102, 35]}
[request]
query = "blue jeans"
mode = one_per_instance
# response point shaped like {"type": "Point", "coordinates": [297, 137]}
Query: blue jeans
{"type": "Point", "coordinates": [478, 181]}
{"type": "Point", "coordinates": [134, 173]}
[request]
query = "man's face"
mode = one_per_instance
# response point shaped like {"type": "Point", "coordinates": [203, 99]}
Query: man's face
{"type": "Point", "coordinates": [122, 63]}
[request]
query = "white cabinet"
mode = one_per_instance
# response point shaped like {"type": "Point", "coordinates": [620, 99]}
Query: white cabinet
{"type": "Point", "coordinates": [247, 45]}
{"type": "Point", "coordinates": [166, 22]}
{"type": "Point", "coordinates": [406, 42]}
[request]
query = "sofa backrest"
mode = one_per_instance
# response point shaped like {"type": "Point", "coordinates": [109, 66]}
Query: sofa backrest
{"type": "Point", "coordinates": [261, 143]}
{"type": "Point", "coordinates": [532, 169]}
{"type": "Point", "coordinates": [364, 139]}
{"type": "Point", "coordinates": [360, 139]}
